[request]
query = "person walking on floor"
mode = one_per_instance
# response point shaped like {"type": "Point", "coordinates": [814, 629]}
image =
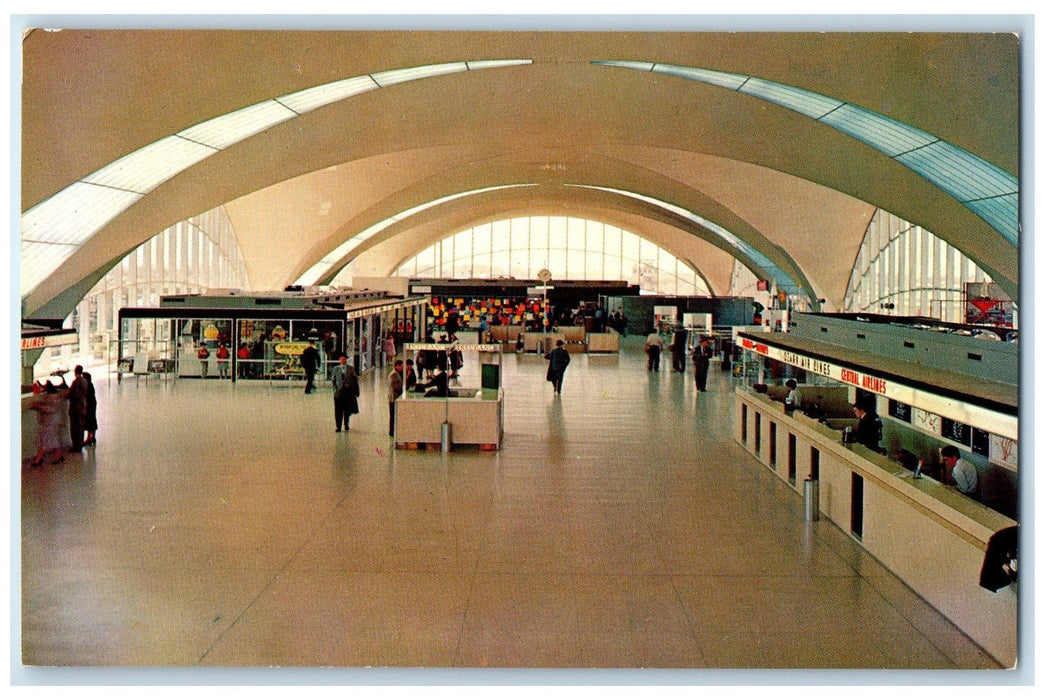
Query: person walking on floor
{"type": "Point", "coordinates": [678, 349]}
{"type": "Point", "coordinates": [654, 345]}
{"type": "Point", "coordinates": [77, 409]}
{"type": "Point", "coordinates": [395, 390]}
{"type": "Point", "coordinates": [90, 422]}
{"type": "Point", "coordinates": [310, 363]}
{"type": "Point", "coordinates": [558, 359]}
{"type": "Point", "coordinates": [345, 384]}
{"type": "Point", "coordinates": [702, 362]}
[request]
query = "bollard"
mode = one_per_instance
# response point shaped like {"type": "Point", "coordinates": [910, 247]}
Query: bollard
{"type": "Point", "coordinates": [446, 437]}
{"type": "Point", "coordinates": [812, 499]}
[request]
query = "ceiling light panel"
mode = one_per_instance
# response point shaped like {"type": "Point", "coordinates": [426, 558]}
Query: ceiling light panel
{"type": "Point", "coordinates": [221, 132]}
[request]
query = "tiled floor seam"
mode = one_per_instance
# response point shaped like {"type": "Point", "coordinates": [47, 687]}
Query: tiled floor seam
{"type": "Point", "coordinates": [268, 585]}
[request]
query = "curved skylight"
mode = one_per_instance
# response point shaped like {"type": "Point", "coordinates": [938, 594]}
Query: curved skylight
{"type": "Point", "coordinates": [985, 189]}
{"type": "Point", "coordinates": [328, 261]}
{"type": "Point", "coordinates": [55, 228]}
{"type": "Point", "coordinates": [768, 267]}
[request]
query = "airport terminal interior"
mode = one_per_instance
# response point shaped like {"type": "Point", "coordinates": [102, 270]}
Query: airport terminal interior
{"type": "Point", "coordinates": [821, 229]}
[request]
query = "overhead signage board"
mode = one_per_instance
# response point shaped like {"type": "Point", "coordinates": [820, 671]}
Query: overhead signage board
{"type": "Point", "coordinates": [38, 342]}
{"type": "Point", "coordinates": [463, 347]}
{"type": "Point", "coordinates": [1002, 424]}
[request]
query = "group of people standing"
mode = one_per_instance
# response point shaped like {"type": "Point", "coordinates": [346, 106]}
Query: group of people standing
{"type": "Point", "coordinates": [223, 356]}
{"type": "Point", "coordinates": [701, 353]}
{"type": "Point", "coordinates": [52, 404]}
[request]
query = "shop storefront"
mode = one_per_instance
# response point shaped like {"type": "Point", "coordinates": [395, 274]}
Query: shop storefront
{"type": "Point", "coordinates": [258, 338]}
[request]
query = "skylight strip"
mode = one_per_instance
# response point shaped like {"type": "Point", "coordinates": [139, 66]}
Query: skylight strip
{"type": "Point", "coordinates": [75, 213]}
{"type": "Point", "coordinates": [887, 135]}
{"type": "Point", "coordinates": [726, 80]}
{"type": "Point", "coordinates": [948, 167]}
{"type": "Point", "coordinates": [634, 65]}
{"type": "Point", "coordinates": [40, 259]}
{"type": "Point", "coordinates": [221, 132]}
{"type": "Point", "coordinates": [1000, 210]}
{"type": "Point", "coordinates": [402, 75]}
{"type": "Point", "coordinates": [322, 95]}
{"type": "Point", "coordinates": [498, 63]}
{"type": "Point", "coordinates": [802, 101]}
{"type": "Point", "coordinates": [967, 176]}
{"type": "Point", "coordinates": [67, 216]}
{"type": "Point", "coordinates": [956, 183]}
{"type": "Point", "coordinates": [148, 167]}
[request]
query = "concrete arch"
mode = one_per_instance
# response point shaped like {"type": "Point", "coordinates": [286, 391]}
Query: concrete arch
{"type": "Point", "coordinates": [91, 96]}
{"type": "Point", "coordinates": [486, 207]}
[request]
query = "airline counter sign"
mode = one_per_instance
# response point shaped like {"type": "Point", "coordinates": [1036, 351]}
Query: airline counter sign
{"type": "Point", "coordinates": [868, 382]}
{"type": "Point", "coordinates": [955, 409]}
{"type": "Point", "coordinates": [39, 342]}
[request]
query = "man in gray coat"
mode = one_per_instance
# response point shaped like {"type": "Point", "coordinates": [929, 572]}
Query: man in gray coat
{"type": "Point", "coordinates": [345, 382]}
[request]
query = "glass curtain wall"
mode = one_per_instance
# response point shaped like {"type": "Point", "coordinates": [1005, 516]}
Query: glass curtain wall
{"type": "Point", "coordinates": [903, 269]}
{"type": "Point", "coordinates": [570, 248]}
{"type": "Point", "coordinates": [196, 255]}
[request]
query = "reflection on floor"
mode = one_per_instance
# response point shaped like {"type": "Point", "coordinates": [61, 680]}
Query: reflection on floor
{"type": "Point", "coordinates": [620, 527]}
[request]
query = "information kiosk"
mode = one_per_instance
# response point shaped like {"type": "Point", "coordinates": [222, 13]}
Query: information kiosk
{"type": "Point", "coordinates": [472, 412]}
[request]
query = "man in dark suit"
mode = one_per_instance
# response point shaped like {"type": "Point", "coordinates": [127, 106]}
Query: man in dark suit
{"type": "Point", "coordinates": [77, 409]}
{"type": "Point", "coordinates": [558, 359]}
{"type": "Point", "coordinates": [310, 363]}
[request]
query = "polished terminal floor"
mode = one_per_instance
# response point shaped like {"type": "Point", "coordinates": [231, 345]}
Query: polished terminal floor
{"type": "Point", "coordinates": [220, 525]}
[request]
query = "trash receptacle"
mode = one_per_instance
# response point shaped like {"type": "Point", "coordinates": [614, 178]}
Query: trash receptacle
{"type": "Point", "coordinates": [812, 499]}
{"type": "Point", "coordinates": [446, 437]}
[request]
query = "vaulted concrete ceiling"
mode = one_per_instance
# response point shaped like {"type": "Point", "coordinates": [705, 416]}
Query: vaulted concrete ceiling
{"type": "Point", "coordinates": [797, 190]}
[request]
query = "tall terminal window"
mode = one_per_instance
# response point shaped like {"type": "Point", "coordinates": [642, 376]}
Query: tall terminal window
{"type": "Point", "coordinates": [192, 256]}
{"type": "Point", "coordinates": [571, 248]}
{"type": "Point", "coordinates": [902, 269]}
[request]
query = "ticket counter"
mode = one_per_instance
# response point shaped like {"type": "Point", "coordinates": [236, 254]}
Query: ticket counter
{"type": "Point", "coordinates": [931, 387]}
{"type": "Point", "coordinates": [930, 535]}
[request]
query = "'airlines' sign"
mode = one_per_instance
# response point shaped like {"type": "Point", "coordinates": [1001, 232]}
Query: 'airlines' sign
{"type": "Point", "coordinates": [998, 423]}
